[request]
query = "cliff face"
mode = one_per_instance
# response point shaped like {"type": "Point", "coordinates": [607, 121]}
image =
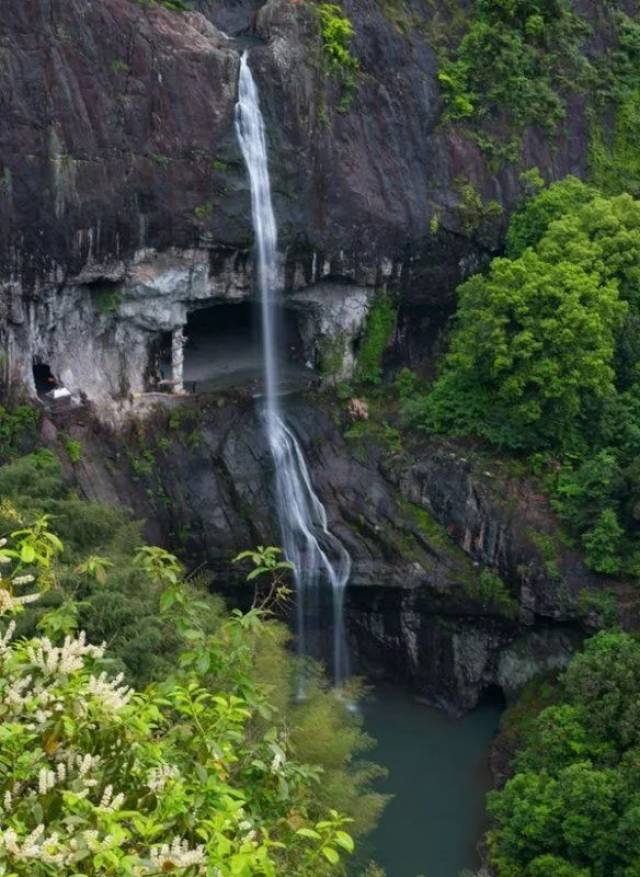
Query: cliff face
{"type": "Point", "coordinates": [120, 172]}
{"type": "Point", "coordinates": [124, 207]}
{"type": "Point", "coordinates": [424, 528]}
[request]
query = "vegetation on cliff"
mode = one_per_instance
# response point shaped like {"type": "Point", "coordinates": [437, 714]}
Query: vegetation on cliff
{"type": "Point", "coordinates": [336, 31]}
{"type": "Point", "coordinates": [573, 807]}
{"type": "Point", "coordinates": [544, 360]}
{"type": "Point", "coordinates": [515, 62]}
{"type": "Point", "coordinates": [512, 64]}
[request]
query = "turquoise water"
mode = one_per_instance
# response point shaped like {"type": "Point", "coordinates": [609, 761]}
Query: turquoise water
{"type": "Point", "coordinates": [438, 773]}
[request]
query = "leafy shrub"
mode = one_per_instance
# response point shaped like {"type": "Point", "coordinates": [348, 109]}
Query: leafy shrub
{"type": "Point", "coordinates": [406, 383]}
{"type": "Point", "coordinates": [193, 775]}
{"type": "Point", "coordinates": [476, 216]}
{"type": "Point", "coordinates": [337, 34]}
{"type": "Point", "coordinates": [73, 449]}
{"type": "Point", "coordinates": [17, 426]}
{"type": "Point", "coordinates": [489, 590]}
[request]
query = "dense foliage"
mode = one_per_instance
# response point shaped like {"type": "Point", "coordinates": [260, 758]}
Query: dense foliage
{"type": "Point", "coordinates": [381, 322]}
{"type": "Point", "coordinates": [18, 426]}
{"type": "Point", "coordinates": [514, 62]}
{"type": "Point", "coordinates": [573, 807]}
{"type": "Point", "coordinates": [510, 64]}
{"type": "Point", "coordinates": [194, 774]}
{"type": "Point", "coordinates": [544, 358]}
{"type": "Point", "coordinates": [615, 145]}
{"type": "Point", "coordinates": [337, 34]}
{"type": "Point", "coordinates": [214, 751]}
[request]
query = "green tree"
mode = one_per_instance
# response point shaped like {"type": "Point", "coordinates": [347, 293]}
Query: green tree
{"type": "Point", "coordinates": [531, 221]}
{"type": "Point", "coordinates": [573, 806]}
{"type": "Point", "coordinates": [544, 358]}
{"type": "Point", "coordinates": [533, 343]}
{"type": "Point", "coordinates": [604, 544]}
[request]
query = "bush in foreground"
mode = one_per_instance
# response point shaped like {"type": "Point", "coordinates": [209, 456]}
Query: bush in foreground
{"type": "Point", "coordinates": [194, 775]}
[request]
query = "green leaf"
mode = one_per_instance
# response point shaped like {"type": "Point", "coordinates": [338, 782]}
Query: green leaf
{"type": "Point", "coordinates": [27, 553]}
{"type": "Point", "coordinates": [330, 855]}
{"type": "Point", "coordinates": [308, 832]}
{"type": "Point", "coordinates": [345, 841]}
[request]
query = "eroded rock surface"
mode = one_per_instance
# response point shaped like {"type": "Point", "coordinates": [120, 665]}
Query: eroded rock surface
{"type": "Point", "coordinates": [124, 206]}
{"type": "Point", "coordinates": [118, 157]}
{"type": "Point", "coordinates": [201, 477]}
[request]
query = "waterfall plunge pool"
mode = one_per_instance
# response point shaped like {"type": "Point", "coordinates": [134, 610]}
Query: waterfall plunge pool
{"type": "Point", "coordinates": [439, 777]}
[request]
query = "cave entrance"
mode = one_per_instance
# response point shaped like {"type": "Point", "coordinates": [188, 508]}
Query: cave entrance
{"type": "Point", "coordinates": [224, 347]}
{"type": "Point", "coordinates": [43, 378]}
{"type": "Point", "coordinates": [493, 696]}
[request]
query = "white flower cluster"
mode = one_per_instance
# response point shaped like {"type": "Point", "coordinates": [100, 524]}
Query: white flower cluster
{"type": "Point", "coordinates": [109, 801]}
{"type": "Point", "coordinates": [64, 659]}
{"type": "Point", "coordinates": [80, 765]}
{"type": "Point", "coordinates": [249, 833]}
{"type": "Point", "coordinates": [6, 638]}
{"type": "Point", "coordinates": [49, 779]}
{"type": "Point", "coordinates": [158, 777]}
{"type": "Point", "coordinates": [9, 602]}
{"type": "Point", "coordinates": [36, 846]}
{"type": "Point", "coordinates": [31, 699]}
{"type": "Point", "coordinates": [84, 763]}
{"type": "Point", "coordinates": [18, 694]}
{"type": "Point", "coordinates": [177, 855]}
{"type": "Point", "coordinates": [110, 692]}
{"type": "Point", "coordinates": [52, 850]}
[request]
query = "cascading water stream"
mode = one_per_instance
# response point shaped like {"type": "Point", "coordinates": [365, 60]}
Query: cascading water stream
{"type": "Point", "coordinates": [313, 550]}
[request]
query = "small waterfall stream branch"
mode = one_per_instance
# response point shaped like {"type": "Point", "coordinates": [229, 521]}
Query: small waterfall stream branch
{"type": "Point", "coordinates": [317, 555]}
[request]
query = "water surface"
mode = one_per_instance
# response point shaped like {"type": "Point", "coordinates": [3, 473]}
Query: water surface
{"type": "Point", "coordinates": [438, 772]}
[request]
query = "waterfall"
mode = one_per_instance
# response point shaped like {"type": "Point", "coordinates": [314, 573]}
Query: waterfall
{"type": "Point", "coordinates": [316, 554]}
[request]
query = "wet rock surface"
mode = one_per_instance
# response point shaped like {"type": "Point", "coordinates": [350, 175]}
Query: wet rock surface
{"type": "Point", "coordinates": [118, 152]}
{"type": "Point", "coordinates": [200, 476]}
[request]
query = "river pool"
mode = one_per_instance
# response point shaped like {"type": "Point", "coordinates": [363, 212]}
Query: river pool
{"type": "Point", "coordinates": [438, 773]}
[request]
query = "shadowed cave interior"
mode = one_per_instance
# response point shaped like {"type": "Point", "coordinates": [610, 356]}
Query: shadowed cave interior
{"type": "Point", "coordinates": [224, 348]}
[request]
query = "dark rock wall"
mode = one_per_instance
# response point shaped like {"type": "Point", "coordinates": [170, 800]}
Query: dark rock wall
{"type": "Point", "coordinates": [118, 135]}
{"type": "Point", "coordinates": [201, 479]}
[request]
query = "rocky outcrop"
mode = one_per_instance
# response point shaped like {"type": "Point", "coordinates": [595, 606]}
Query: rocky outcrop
{"type": "Point", "coordinates": [100, 338]}
{"type": "Point", "coordinates": [118, 159]}
{"type": "Point", "coordinates": [418, 607]}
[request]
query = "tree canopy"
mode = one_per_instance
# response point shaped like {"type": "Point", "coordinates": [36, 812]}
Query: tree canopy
{"type": "Point", "coordinates": [192, 759]}
{"type": "Point", "coordinates": [544, 357]}
{"type": "Point", "coordinates": [573, 807]}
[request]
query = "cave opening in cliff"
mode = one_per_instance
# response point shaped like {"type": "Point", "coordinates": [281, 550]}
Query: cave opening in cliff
{"type": "Point", "coordinates": [493, 695]}
{"type": "Point", "coordinates": [43, 378]}
{"type": "Point", "coordinates": [223, 347]}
